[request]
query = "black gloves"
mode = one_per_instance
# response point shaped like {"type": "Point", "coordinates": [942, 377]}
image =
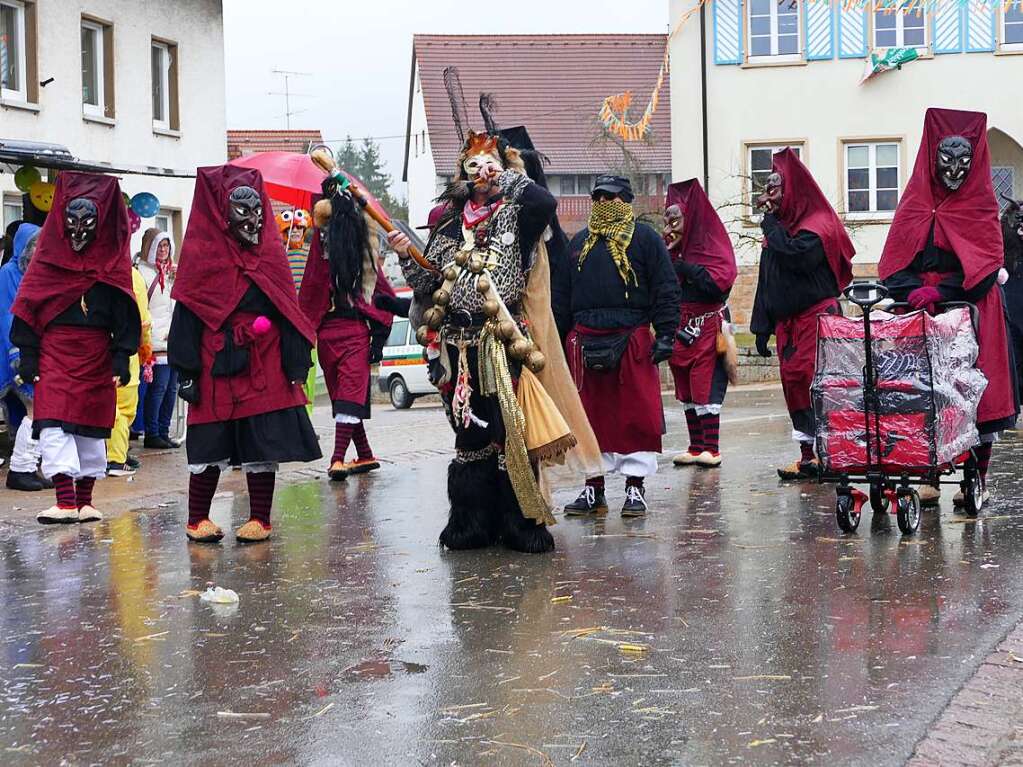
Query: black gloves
{"type": "Point", "coordinates": [121, 369]}
{"type": "Point", "coordinates": [28, 367]}
{"type": "Point", "coordinates": [762, 348]}
{"type": "Point", "coordinates": [189, 391]}
{"type": "Point", "coordinates": [376, 353]}
{"type": "Point", "coordinates": [662, 349]}
{"type": "Point", "coordinates": [396, 306]}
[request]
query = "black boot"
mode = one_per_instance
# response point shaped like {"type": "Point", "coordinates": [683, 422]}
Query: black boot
{"type": "Point", "coordinates": [472, 490]}
{"type": "Point", "coordinates": [590, 501]}
{"type": "Point", "coordinates": [24, 480]}
{"type": "Point", "coordinates": [518, 532]}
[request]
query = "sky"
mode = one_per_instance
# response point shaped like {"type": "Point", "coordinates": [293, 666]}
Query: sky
{"type": "Point", "coordinates": [358, 55]}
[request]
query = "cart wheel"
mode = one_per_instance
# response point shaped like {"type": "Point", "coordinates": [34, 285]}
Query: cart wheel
{"type": "Point", "coordinates": [973, 492]}
{"type": "Point", "coordinates": [847, 514]}
{"type": "Point", "coordinates": [907, 512]}
{"type": "Point", "coordinates": [879, 502]}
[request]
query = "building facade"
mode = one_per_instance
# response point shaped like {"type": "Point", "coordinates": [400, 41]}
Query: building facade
{"type": "Point", "coordinates": [552, 84]}
{"type": "Point", "coordinates": [126, 82]}
{"type": "Point", "coordinates": [776, 73]}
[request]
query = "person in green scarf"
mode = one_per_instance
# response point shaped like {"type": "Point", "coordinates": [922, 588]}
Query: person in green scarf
{"type": "Point", "coordinates": [620, 282]}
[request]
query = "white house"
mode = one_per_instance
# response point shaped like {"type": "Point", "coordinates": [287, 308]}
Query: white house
{"type": "Point", "coordinates": [127, 82]}
{"type": "Point", "coordinates": [778, 73]}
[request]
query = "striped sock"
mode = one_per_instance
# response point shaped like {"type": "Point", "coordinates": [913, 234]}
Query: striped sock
{"type": "Point", "coordinates": [342, 439]}
{"type": "Point", "coordinates": [261, 495]}
{"type": "Point", "coordinates": [201, 489]}
{"type": "Point", "coordinates": [711, 426]}
{"type": "Point", "coordinates": [83, 491]}
{"type": "Point", "coordinates": [806, 451]}
{"type": "Point", "coordinates": [696, 436]}
{"type": "Point", "coordinates": [362, 448]}
{"type": "Point", "coordinates": [65, 487]}
{"type": "Point", "coordinates": [983, 452]}
{"type": "Point", "coordinates": [597, 483]}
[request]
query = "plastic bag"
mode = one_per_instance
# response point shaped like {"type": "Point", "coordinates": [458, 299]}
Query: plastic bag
{"type": "Point", "coordinates": [218, 596]}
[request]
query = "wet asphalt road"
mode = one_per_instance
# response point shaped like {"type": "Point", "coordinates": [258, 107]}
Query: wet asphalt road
{"type": "Point", "coordinates": [734, 625]}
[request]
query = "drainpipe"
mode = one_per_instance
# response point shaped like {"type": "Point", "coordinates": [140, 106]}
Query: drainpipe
{"type": "Point", "coordinates": [703, 94]}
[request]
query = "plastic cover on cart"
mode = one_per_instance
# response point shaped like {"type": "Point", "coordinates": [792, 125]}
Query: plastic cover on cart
{"type": "Point", "coordinates": [922, 414]}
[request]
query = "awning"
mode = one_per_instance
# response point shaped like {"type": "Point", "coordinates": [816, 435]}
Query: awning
{"type": "Point", "coordinates": [14, 152]}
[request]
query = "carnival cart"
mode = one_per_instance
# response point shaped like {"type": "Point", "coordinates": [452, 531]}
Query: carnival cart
{"type": "Point", "coordinates": [895, 399]}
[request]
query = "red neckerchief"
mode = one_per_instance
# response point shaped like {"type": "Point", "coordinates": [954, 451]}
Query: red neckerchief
{"type": "Point", "coordinates": [473, 215]}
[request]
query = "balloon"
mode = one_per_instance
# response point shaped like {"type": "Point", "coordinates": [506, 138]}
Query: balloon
{"type": "Point", "coordinates": [25, 176]}
{"type": "Point", "coordinates": [134, 221]}
{"type": "Point", "coordinates": [145, 204]}
{"type": "Point", "coordinates": [41, 195]}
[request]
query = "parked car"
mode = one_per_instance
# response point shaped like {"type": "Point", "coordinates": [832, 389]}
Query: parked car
{"type": "Point", "coordinates": [403, 370]}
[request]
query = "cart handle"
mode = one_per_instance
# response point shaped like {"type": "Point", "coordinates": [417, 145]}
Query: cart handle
{"type": "Point", "coordinates": [866, 294]}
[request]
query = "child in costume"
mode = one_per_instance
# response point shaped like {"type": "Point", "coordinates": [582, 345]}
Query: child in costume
{"type": "Point", "coordinates": [341, 283]}
{"type": "Point", "coordinates": [705, 264]}
{"type": "Point", "coordinates": [241, 347]}
{"type": "Point", "coordinates": [76, 324]}
{"type": "Point", "coordinates": [945, 244]}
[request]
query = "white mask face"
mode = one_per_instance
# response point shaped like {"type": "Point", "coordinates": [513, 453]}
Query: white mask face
{"type": "Point", "coordinates": [473, 164]}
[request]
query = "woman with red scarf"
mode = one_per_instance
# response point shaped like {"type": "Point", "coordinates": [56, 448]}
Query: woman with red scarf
{"type": "Point", "coordinates": [342, 280]}
{"type": "Point", "coordinates": [242, 348]}
{"type": "Point", "coordinates": [805, 264]}
{"type": "Point", "coordinates": [704, 261]}
{"type": "Point", "coordinates": [76, 323]}
{"type": "Point", "coordinates": [945, 244]}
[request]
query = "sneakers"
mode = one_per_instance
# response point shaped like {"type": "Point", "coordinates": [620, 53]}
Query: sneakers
{"type": "Point", "coordinates": [119, 470]}
{"type": "Point", "coordinates": [687, 458]}
{"type": "Point", "coordinates": [635, 503]}
{"type": "Point", "coordinates": [158, 443]}
{"type": "Point", "coordinates": [27, 481]}
{"type": "Point", "coordinates": [800, 470]}
{"type": "Point", "coordinates": [590, 501]}
{"type": "Point", "coordinates": [708, 460]}
{"type": "Point", "coordinates": [133, 463]}
{"type": "Point", "coordinates": [89, 513]}
{"type": "Point", "coordinates": [252, 531]}
{"type": "Point", "coordinates": [57, 515]}
{"type": "Point", "coordinates": [204, 531]}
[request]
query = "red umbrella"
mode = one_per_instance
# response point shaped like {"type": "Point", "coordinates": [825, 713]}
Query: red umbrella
{"type": "Point", "coordinates": [293, 178]}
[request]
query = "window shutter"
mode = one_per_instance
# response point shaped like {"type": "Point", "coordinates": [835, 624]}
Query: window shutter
{"type": "Point", "coordinates": [727, 31]}
{"type": "Point", "coordinates": [948, 28]}
{"type": "Point", "coordinates": [980, 26]}
{"type": "Point", "coordinates": [819, 30]}
{"type": "Point", "coordinates": [852, 33]}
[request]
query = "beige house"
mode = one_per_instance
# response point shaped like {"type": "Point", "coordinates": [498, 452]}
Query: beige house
{"type": "Point", "coordinates": [753, 76]}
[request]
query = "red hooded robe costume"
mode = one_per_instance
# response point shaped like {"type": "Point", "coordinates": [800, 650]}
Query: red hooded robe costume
{"type": "Point", "coordinates": [76, 368]}
{"type": "Point", "coordinates": [965, 222]}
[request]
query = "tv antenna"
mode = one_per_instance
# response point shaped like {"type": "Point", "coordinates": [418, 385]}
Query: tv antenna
{"type": "Point", "coordinates": [287, 75]}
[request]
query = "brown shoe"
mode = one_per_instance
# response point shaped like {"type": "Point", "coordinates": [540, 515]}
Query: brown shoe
{"type": "Point", "coordinates": [800, 470]}
{"type": "Point", "coordinates": [929, 496]}
{"type": "Point", "coordinates": [338, 471]}
{"type": "Point", "coordinates": [252, 531]}
{"type": "Point", "coordinates": [363, 465]}
{"type": "Point", "coordinates": [204, 531]}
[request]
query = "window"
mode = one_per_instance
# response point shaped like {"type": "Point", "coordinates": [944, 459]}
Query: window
{"type": "Point", "coordinates": [1012, 25]}
{"type": "Point", "coordinates": [872, 177]}
{"type": "Point", "coordinates": [759, 160]}
{"type": "Point", "coordinates": [399, 333]}
{"type": "Point", "coordinates": [1003, 178]}
{"type": "Point", "coordinates": [162, 221]}
{"type": "Point", "coordinates": [97, 69]}
{"type": "Point", "coordinates": [903, 27]}
{"type": "Point", "coordinates": [584, 184]}
{"type": "Point", "coordinates": [165, 85]}
{"type": "Point", "coordinates": [12, 210]}
{"type": "Point", "coordinates": [169, 220]}
{"type": "Point", "coordinates": [774, 30]}
{"type": "Point", "coordinates": [566, 185]}
{"type": "Point", "coordinates": [13, 59]}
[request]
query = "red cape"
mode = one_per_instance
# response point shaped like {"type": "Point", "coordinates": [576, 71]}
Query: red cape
{"type": "Point", "coordinates": [314, 297]}
{"type": "Point", "coordinates": [57, 276]}
{"type": "Point", "coordinates": [965, 221]}
{"type": "Point", "coordinates": [805, 208]}
{"type": "Point", "coordinates": [705, 242]}
{"type": "Point", "coordinates": [215, 270]}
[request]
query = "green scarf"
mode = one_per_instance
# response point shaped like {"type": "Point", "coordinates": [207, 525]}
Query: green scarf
{"type": "Point", "coordinates": [615, 221]}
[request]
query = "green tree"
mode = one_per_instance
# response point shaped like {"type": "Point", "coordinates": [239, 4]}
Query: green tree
{"type": "Point", "coordinates": [365, 163]}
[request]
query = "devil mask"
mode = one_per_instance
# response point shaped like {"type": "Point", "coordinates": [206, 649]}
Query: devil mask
{"type": "Point", "coordinates": [480, 149]}
{"type": "Point", "coordinates": [770, 200]}
{"type": "Point", "coordinates": [674, 224]}
{"type": "Point", "coordinates": [245, 215]}
{"type": "Point", "coordinates": [81, 216]}
{"type": "Point", "coordinates": [955, 154]}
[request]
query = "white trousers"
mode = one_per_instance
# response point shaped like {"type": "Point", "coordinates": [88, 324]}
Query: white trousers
{"type": "Point", "coordinates": [248, 468]}
{"type": "Point", "coordinates": [25, 458]}
{"type": "Point", "coordinates": [798, 436]}
{"type": "Point", "coordinates": [72, 454]}
{"type": "Point", "coordinates": [631, 464]}
{"type": "Point", "coordinates": [349, 419]}
{"type": "Point", "coordinates": [702, 409]}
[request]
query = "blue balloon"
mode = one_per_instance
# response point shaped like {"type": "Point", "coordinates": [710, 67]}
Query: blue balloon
{"type": "Point", "coordinates": [145, 204]}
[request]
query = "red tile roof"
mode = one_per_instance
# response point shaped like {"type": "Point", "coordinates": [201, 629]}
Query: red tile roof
{"type": "Point", "coordinates": [552, 84]}
{"type": "Point", "coordinates": [245, 142]}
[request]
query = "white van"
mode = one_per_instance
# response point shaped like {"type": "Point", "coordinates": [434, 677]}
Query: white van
{"type": "Point", "coordinates": [403, 370]}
